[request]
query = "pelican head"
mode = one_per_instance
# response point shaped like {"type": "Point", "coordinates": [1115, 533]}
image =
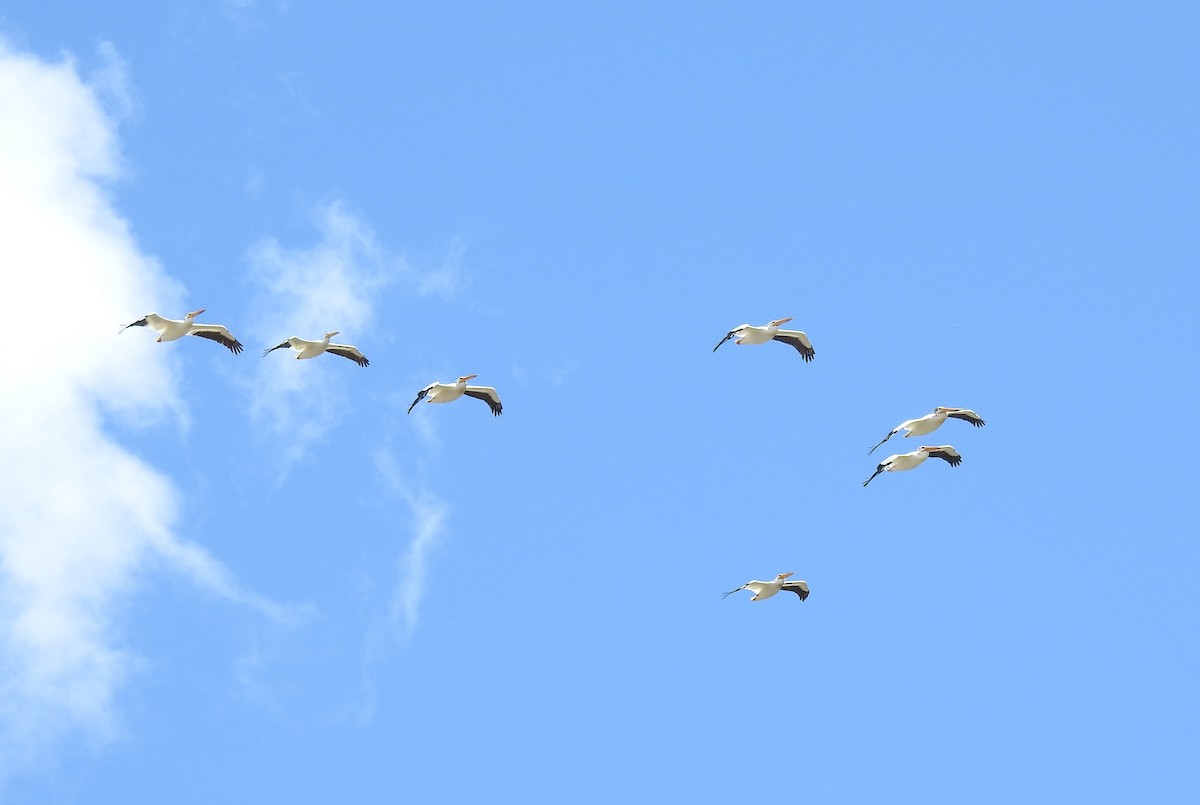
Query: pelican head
{"type": "Point", "coordinates": [331, 335]}
{"type": "Point", "coordinates": [465, 378]}
{"type": "Point", "coordinates": [195, 313]}
{"type": "Point", "coordinates": [778, 322]}
{"type": "Point", "coordinates": [783, 576]}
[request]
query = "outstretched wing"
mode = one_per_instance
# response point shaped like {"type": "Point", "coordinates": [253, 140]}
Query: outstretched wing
{"type": "Point", "coordinates": [139, 323]}
{"type": "Point", "coordinates": [800, 588]}
{"type": "Point", "coordinates": [488, 395]}
{"type": "Point", "coordinates": [798, 340]}
{"type": "Point", "coordinates": [968, 415]}
{"type": "Point", "coordinates": [728, 336]}
{"type": "Point", "coordinates": [904, 426]}
{"type": "Point", "coordinates": [420, 396]}
{"type": "Point", "coordinates": [946, 453]}
{"type": "Point", "coordinates": [347, 351]}
{"type": "Point", "coordinates": [216, 332]}
{"type": "Point", "coordinates": [284, 345]}
{"type": "Point", "coordinates": [739, 589]}
{"type": "Point", "coordinates": [891, 433]}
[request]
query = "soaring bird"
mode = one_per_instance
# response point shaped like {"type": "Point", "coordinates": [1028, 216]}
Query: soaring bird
{"type": "Point", "coordinates": [173, 329]}
{"type": "Point", "coordinates": [749, 334]}
{"type": "Point", "coordinates": [766, 589]}
{"type": "Point", "coordinates": [311, 349]}
{"type": "Point", "coordinates": [906, 461]}
{"type": "Point", "coordinates": [931, 422]}
{"type": "Point", "coordinates": [449, 392]}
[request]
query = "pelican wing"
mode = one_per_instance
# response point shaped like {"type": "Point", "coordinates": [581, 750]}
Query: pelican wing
{"type": "Point", "coordinates": [800, 588]}
{"type": "Point", "coordinates": [728, 336]}
{"type": "Point", "coordinates": [798, 340]}
{"type": "Point", "coordinates": [905, 425]}
{"type": "Point", "coordinates": [153, 321]}
{"type": "Point", "coordinates": [488, 395]}
{"type": "Point", "coordinates": [883, 465]}
{"type": "Point", "coordinates": [946, 453]}
{"type": "Point", "coordinates": [284, 345]}
{"type": "Point", "coordinates": [216, 332]}
{"type": "Point", "coordinates": [420, 396]}
{"type": "Point", "coordinates": [891, 433]}
{"type": "Point", "coordinates": [142, 322]}
{"type": "Point", "coordinates": [968, 415]}
{"type": "Point", "coordinates": [745, 586]}
{"type": "Point", "coordinates": [347, 351]}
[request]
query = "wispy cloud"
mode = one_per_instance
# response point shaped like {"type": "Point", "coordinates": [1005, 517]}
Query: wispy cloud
{"type": "Point", "coordinates": [82, 520]}
{"type": "Point", "coordinates": [336, 283]}
{"type": "Point", "coordinates": [249, 16]}
{"type": "Point", "coordinates": [447, 278]}
{"type": "Point", "coordinates": [111, 82]}
{"type": "Point", "coordinates": [306, 292]}
{"type": "Point", "coordinates": [397, 619]}
{"type": "Point", "coordinates": [428, 522]}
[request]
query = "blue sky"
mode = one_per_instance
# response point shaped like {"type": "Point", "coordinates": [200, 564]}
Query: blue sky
{"type": "Point", "coordinates": [236, 578]}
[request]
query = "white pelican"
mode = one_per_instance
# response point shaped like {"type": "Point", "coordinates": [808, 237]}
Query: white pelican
{"type": "Point", "coordinates": [931, 422]}
{"type": "Point", "coordinates": [766, 589]}
{"type": "Point", "coordinates": [906, 461]}
{"type": "Point", "coordinates": [449, 392]}
{"type": "Point", "coordinates": [749, 334]}
{"type": "Point", "coordinates": [172, 329]}
{"type": "Point", "coordinates": [311, 349]}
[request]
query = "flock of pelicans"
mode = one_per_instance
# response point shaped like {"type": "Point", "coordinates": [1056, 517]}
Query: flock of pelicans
{"type": "Point", "coordinates": [174, 329]}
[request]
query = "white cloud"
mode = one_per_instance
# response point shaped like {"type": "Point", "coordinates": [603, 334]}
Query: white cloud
{"type": "Point", "coordinates": [447, 278]}
{"type": "Point", "coordinates": [82, 520]}
{"type": "Point", "coordinates": [111, 82]}
{"type": "Point", "coordinates": [247, 16]}
{"type": "Point", "coordinates": [429, 515]}
{"type": "Point", "coordinates": [307, 292]}
{"type": "Point", "coordinates": [335, 284]}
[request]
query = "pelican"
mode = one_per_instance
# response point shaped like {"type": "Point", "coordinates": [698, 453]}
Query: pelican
{"type": "Point", "coordinates": [766, 589]}
{"type": "Point", "coordinates": [931, 422]}
{"type": "Point", "coordinates": [311, 349]}
{"type": "Point", "coordinates": [906, 461]}
{"type": "Point", "coordinates": [449, 392]}
{"type": "Point", "coordinates": [749, 334]}
{"type": "Point", "coordinates": [173, 329]}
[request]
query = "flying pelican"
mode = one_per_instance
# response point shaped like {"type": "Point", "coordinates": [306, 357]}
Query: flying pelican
{"type": "Point", "coordinates": [311, 349]}
{"type": "Point", "coordinates": [906, 461]}
{"type": "Point", "coordinates": [749, 334]}
{"type": "Point", "coordinates": [449, 392]}
{"type": "Point", "coordinates": [766, 589]}
{"type": "Point", "coordinates": [931, 422]}
{"type": "Point", "coordinates": [173, 329]}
